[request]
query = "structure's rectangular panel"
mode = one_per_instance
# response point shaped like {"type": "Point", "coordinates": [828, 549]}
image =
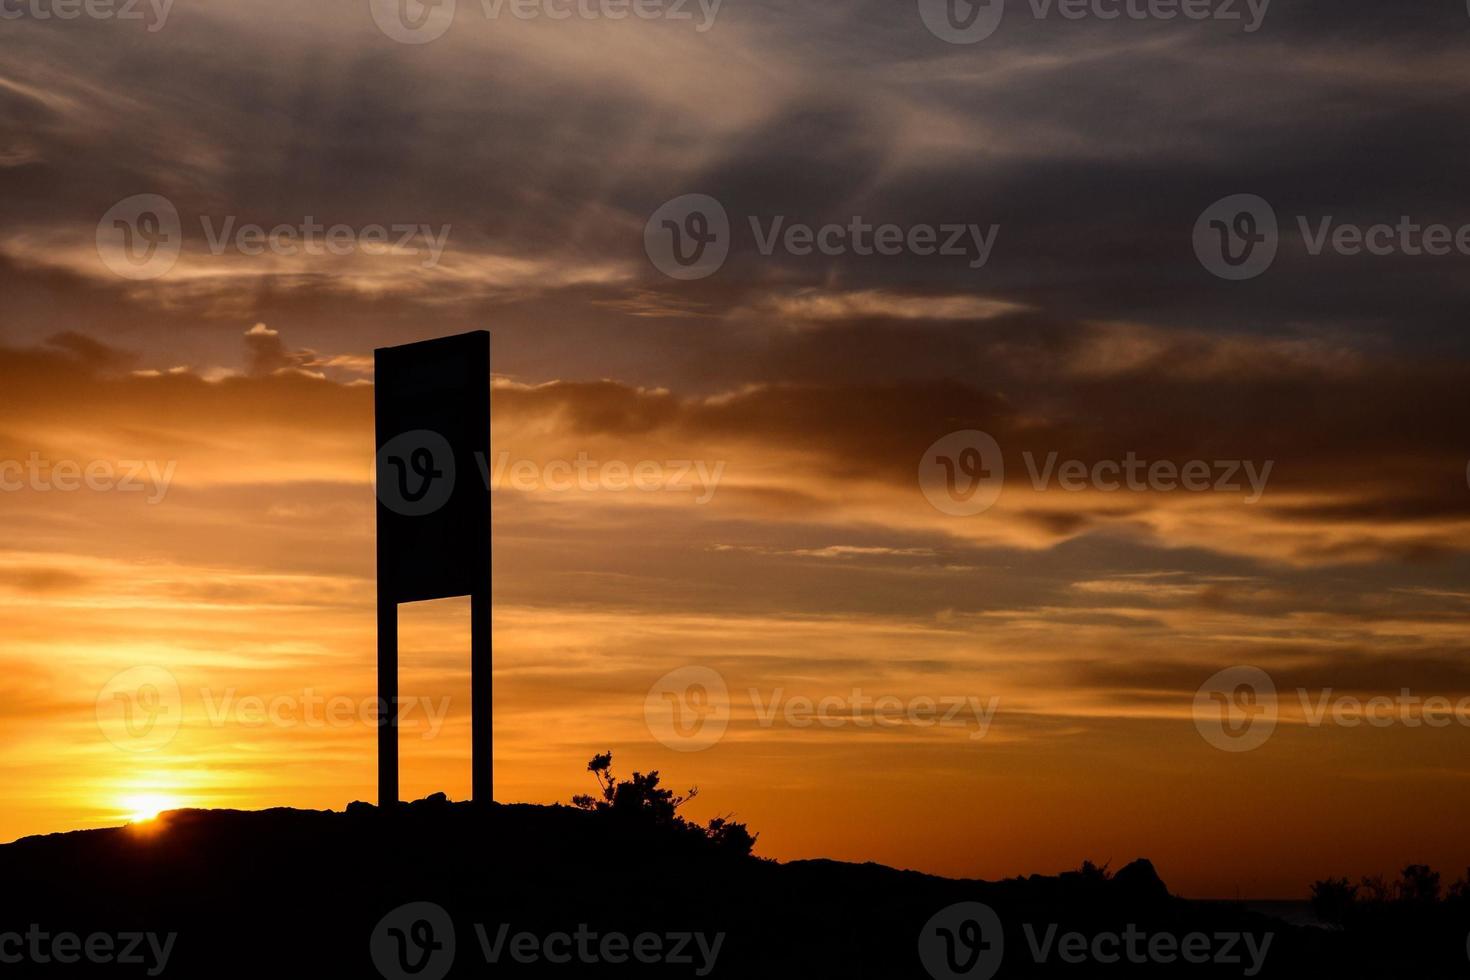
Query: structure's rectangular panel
{"type": "Point", "coordinates": [433, 438]}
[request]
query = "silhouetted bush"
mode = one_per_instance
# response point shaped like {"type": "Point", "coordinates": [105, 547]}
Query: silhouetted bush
{"type": "Point", "coordinates": [1417, 883]}
{"type": "Point", "coordinates": [1375, 890]}
{"type": "Point", "coordinates": [1332, 898]}
{"type": "Point", "coordinates": [642, 799]}
{"type": "Point", "coordinates": [1336, 900]}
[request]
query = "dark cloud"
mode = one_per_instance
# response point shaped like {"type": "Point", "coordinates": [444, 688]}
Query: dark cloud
{"type": "Point", "coordinates": [1093, 145]}
{"type": "Point", "coordinates": [1345, 670]}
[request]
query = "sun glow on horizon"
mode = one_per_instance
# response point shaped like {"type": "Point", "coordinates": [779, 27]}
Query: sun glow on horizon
{"type": "Point", "coordinates": [143, 807]}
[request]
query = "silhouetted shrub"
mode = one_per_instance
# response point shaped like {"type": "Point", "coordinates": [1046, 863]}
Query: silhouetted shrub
{"type": "Point", "coordinates": [731, 837]}
{"type": "Point", "coordinates": [1375, 889]}
{"type": "Point", "coordinates": [1417, 883]}
{"type": "Point", "coordinates": [642, 799]}
{"type": "Point", "coordinates": [1335, 900]}
{"type": "Point", "coordinates": [1332, 898]}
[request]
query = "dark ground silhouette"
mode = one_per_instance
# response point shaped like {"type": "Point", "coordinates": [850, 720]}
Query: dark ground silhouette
{"type": "Point", "coordinates": [300, 893]}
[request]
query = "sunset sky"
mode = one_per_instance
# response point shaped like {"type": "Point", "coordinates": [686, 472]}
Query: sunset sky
{"type": "Point", "coordinates": [802, 390]}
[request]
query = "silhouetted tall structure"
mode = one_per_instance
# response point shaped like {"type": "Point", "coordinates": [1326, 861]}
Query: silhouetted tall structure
{"type": "Point", "coordinates": [433, 436]}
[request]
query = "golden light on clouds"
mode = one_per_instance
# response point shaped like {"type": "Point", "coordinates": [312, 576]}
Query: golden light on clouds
{"type": "Point", "coordinates": [1044, 651]}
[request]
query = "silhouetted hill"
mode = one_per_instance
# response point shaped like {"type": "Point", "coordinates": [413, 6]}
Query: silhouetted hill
{"type": "Point", "coordinates": [299, 893]}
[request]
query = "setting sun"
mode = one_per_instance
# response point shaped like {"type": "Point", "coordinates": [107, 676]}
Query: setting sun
{"type": "Point", "coordinates": [145, 806]}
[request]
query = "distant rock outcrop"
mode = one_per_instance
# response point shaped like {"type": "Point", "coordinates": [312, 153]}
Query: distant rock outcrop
{"type": "Point", "coordinates": [1139, 883]}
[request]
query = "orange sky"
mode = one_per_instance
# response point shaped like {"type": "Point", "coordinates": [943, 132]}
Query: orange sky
{"type": "Point", "coordinates": [252, 577]}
